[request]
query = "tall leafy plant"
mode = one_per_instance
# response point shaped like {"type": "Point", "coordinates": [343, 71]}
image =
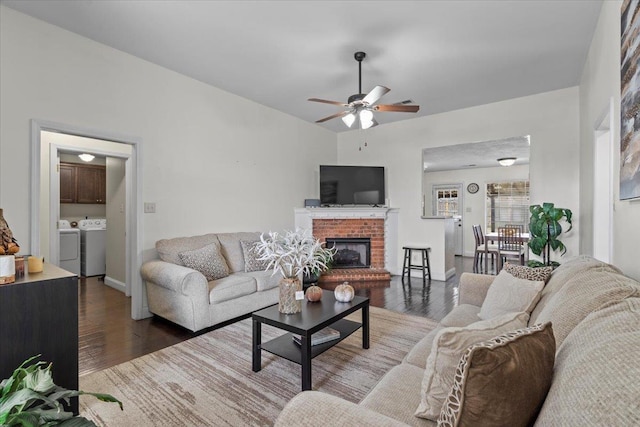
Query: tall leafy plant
{"type": "Point", "coordinates": [545, 229]}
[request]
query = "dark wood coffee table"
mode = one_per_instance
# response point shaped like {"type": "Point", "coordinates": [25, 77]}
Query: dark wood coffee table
{"type": "Point", "coordinates": [314, 316]}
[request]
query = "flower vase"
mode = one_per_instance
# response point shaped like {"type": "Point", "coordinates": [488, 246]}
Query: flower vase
{"type": "Point", "coordinates": [287, 303]}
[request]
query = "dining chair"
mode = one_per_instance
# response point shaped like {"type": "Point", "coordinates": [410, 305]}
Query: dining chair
{"type": "Point", "coordinates": [520, 226]}
{"type": "Point", "coordinates": [492, 249]}
{"type": "Point", "coordinates": [510, 245]}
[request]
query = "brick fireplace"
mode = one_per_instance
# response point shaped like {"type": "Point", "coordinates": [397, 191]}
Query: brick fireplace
{"type": "Point", "coordinates": [374, 224]}
{"type": "Point", "coordinates": [357, 228]}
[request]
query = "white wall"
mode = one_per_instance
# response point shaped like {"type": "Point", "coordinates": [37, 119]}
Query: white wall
{"type": "Point", "coordinates": [600, 82]}
{"type": "Point", "coordinates": [212, 161]}
{"type": "Point", "coordinates": [550, 118]}
{"type": "Point", "coordinates": [474, 205]}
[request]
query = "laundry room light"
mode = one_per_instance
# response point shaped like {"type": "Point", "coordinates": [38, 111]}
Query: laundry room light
{"type": "Point", "coordinates": [86, 157]}
{"type": "Point", "coordinates": [507, 161]}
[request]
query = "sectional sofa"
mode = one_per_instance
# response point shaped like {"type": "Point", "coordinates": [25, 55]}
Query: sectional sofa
{"type": "Point", "coordinates": [237, 285]}
{"type": "Point", "coordinates": [594, 378]}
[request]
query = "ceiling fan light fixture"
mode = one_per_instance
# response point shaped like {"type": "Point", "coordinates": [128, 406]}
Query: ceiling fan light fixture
{"type": "Point", "coordinates": [366, 124]}
{"type": "Point", "coordinates": [349, 119]}
{"type": "Point", "coordinates": [85, 157]}
{"type": "Point", "coordinates": [366, 115]}
{"type": "Point", "coordinates": [507, 161]}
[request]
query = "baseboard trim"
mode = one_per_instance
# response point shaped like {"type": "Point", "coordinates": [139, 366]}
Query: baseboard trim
{"type": "Point", "coordinates": [115, 284]}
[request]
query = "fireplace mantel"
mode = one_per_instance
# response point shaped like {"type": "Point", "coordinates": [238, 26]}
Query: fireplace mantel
{"type": "Point", "coordinates": [304, 219]}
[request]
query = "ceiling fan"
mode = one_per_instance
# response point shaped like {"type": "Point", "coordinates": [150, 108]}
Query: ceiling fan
{"type": "Point", "coordinates": [360, 106]}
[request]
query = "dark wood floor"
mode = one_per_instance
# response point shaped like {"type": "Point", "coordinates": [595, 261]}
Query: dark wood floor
{"type": "Point", "coordinates": [108, 335]}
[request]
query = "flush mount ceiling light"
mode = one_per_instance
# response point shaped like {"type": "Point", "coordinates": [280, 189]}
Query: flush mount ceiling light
{"type": "Point", "coordinates": [360, 107]}
{"type": "Point", "coordinates": [86, 157]}
{"type": "Point", "coordinates": [506, 161]}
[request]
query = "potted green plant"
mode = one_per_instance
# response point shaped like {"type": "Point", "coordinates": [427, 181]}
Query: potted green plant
{"type": "Point", "coordinates": [293, 254]}
{"type": "Point", "coordinates": [545, 229]}
{"type": "Point", "coordinates": [30, 398]}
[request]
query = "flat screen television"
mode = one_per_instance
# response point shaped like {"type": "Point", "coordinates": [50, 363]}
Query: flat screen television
{"type": "Point", "coordinates": [352, 185]}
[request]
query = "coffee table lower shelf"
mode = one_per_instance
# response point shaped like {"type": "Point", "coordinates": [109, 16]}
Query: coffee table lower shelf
{"type": "Point", "coordinates": [284, 346]}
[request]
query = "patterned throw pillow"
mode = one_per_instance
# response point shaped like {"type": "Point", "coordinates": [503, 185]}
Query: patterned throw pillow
{"type": "Point", "coordinates": [528, 273]}
{"type": "Point", "coordinates": [251, 261]}
{"type": "Point", "coordinates": [447, 348]}
{"type": "Point", "coordinates": [508, 294]}
{"type": "Point", "coordinates": [207, 260]}
{"type": "Point", "coordinates": [503, 381]}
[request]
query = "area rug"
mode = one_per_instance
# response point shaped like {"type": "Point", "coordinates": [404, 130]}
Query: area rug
{"type": "Point", "coordinates": [208, 381]}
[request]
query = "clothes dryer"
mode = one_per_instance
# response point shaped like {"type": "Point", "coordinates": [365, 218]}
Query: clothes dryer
{"type": "Point", "coordinates": [93, 244]}
{"type": "Point", "coordinates": [69, 250]}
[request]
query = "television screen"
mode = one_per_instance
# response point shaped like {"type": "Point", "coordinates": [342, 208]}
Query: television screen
{"type": "Point", "coordinates": [352, 185]}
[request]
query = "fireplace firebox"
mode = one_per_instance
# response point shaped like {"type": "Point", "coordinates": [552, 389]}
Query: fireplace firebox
{"type": "Point", "coordinates": [351, 252]}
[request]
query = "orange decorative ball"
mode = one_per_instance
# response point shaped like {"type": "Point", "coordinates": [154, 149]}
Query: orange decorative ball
{"type": "Point", "coordinates": [314, 293]}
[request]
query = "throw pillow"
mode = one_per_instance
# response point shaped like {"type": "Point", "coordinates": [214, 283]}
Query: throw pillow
{"type": "Point", "coordinates": [251, 261]}
{"type": "Point", "coordinates": [503, 381]}
{"type": "Point", "coordinates": [447, 348]}
{"type": "Point", "coordinates": [207, 260]}
{"type": "Point", "coordinates": [528, 273]}
{"type": "Point", "coordinates": [509, 294]}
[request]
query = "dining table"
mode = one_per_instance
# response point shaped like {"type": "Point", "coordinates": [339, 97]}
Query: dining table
{"type": "Point", "coordinates": [493, 237]}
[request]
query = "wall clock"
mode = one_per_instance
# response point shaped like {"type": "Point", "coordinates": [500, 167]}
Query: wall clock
{"type": "Point", "coordinates": [473, 188]}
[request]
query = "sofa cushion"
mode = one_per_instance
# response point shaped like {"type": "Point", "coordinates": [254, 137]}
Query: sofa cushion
{"type": "Point", "coordinates": [207, 260]}
{"type": "Point", "coordinates": [422, 349]}
{"type": "Point", "coordinates": [502, 382]}
{"type": "Point", "coordinates": [509, 294]}
{"type": "Point", "coordinates": [232, 250]}
{"type": "Point", "coordinates": [583, 293]}
{"type": "Point", "coordinates": [528, 273]}
{"type": "Point", "coordinates": [561, 275]}
{"type": "Point", "coordinates": [397, 395]}
{"type": "Point", "coordinates": [251, 261]}
{"type": "Point", "coordinates": [169, 249]}
{"type": "Point", "coordinates": [265, 280]}
{"type": "Point", "coordinates": [448, 346]}
{"type": "Point", "coordinates": [461, 315]}
{"type": "Point", "coordinates": [231, 287]}
{"type": "Point", "coordinates": [595, 381]}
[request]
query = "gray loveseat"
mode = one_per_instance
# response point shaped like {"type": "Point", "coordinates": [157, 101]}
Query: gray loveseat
{"type": "Point", "coordinates": [184, 296]}
{"type": "Point", "coordinates": [595, 312]}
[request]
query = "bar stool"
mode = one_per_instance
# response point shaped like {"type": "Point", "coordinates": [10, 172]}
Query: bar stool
{"type": "Point", "coordinates": [425, 266]}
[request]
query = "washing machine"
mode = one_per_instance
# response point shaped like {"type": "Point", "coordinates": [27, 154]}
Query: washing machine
{"type": "Point", "coordinates": [69, 251]}
{"type": "Point", "coordinates": [93, 247]}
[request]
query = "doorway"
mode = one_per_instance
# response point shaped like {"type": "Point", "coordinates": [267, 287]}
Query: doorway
{"type": "Point", "coordinates": [448, 201]}
{"type": "Point", "coordinates": [45, 197]}
{"type": "Point", "coordinates": [90, 191]}
{"type": "Point", "coordinates": [603, 186]}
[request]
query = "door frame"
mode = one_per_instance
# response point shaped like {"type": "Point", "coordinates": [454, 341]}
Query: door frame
{"type": "Point", "coordinates": [133, 183]}
{"type": "Point", "coordinates": [603, 155]}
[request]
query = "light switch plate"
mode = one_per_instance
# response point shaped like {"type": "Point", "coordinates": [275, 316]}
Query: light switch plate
{"type": "Point", "coordinates": [149, 207]}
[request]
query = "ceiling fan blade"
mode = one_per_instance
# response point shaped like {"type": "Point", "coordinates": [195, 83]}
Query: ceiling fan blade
{"type": "Point", "coordinates": [333, 116]}
{"type": "Point", "coordinates": [406, 101]}
{"type": "Point", "coordinates": [397, 108]}
{"type": "Point", "coordinates": [326, 101]}
{"type": "Point", "coordinates": [375, 94]}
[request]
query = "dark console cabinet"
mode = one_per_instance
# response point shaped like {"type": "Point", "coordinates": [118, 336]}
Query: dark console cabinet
{"type": "Point", "coordinates": [39, 315]}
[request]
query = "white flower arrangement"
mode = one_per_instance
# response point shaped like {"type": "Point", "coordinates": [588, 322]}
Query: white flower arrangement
{"type": "Point", "coordinates": [294, 253]}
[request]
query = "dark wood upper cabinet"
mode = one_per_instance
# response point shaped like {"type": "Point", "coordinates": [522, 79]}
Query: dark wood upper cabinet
{"type": "Point", "coordinates": [67, 183]}
{"type": "Point", "coordinates": [85, 184]}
